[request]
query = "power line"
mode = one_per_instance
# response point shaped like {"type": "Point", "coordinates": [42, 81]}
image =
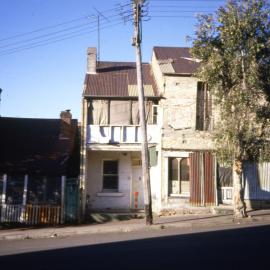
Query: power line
{"type": "Point", "coordinates": [46, 35]}
{"type": "Point", "coordinates": [57, 25]}
{"type": "Point", "coordinates": [181, 6]}
{"type": "Point", "coordinates": [19, 49]}
{"type": "Point", "coordinates": [180, 11]}
{"type": "Point", "coordinates": [83, 26]}
{"type": "Point", "coordinates": [172, 16]}
{"type": "Point", "coordinates": [83, 29]}
{"type": "Point", "coordinates": [187, 1]}
{"type": "Point", "coordinates": [42, 29]}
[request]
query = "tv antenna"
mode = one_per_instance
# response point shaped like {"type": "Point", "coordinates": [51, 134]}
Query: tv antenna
{"type": "Point", "coordinates": [99, 14]}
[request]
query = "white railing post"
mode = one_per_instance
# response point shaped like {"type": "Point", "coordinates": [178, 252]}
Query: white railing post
{"type": "Point", "coordinates": [121, 134]}
{"type": "Point", "coordinates": [25, 189]}
{"type": "Point", "coordinates": [110, 133]}
{"type": "Point", "coordinates": [63, 185]}
{"type": "Point", "coordinates": [3, 198]}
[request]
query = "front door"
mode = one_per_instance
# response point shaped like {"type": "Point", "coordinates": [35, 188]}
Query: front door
{"type": "Point", "coordinates": [137, 201]}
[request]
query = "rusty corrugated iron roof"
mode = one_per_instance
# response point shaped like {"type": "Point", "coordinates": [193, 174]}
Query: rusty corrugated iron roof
{"type": "Point", "coordinates": [163, 53]}
{"type": "Point", "coordinates": [116, 79]}
{"type": "Point", "coordinates": [148, 90]}
{"type": "Point", "coordinates": [176, 60]}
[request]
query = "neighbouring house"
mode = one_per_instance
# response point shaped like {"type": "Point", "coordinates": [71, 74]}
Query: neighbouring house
{"type": "Point", "coordinates": [181, 116]}
{"type": "Point", "coordinates": [187, 166]}
{"type": "Point", "coordinates": [190, 174]}
{"type": "Point", "coordinates": [39, 168]}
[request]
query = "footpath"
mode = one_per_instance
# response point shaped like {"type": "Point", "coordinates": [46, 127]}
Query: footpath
{"type": "Point", "coordinates": [177, 222]}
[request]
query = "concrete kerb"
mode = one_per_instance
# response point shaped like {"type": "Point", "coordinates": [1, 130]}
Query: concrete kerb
{"type": "Point", "coordinates": [181, 222]}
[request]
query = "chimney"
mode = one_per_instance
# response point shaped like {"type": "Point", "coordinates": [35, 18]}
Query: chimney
{"type": "Point", "coordinates": [91, 60]}
{"type": "Point", "coordinates": [66, 116]}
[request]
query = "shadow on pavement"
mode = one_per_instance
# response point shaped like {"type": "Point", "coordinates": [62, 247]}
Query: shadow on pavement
{"type": "Point", "coordinates": [246, 248]}
{"type": "Point", "coordinates": [177, 219]}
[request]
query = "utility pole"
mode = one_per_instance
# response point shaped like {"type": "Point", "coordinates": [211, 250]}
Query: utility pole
{"type": "Point", "coordinates": [137, 8]}
{"type": "Point", "coordinates": [0, 99]}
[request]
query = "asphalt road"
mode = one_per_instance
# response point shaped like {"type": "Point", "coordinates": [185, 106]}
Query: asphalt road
{"type": "Point", "coordinates": [245, 248]}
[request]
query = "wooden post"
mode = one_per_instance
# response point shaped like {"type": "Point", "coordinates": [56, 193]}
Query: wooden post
{"type": "Point", "coordinates": [25, 190]}
{"type": "Point", "coordinates": [3, 198]}
{"type": "Point", "coordinates": [145, 156]}
{"type": "Point", "coordinates": [83, 156]}
{"type": "Point", "coordinates": [63, 185]}
{"type": "Point", "coordinates": [25, 187]}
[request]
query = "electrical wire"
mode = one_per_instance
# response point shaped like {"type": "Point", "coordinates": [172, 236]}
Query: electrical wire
{"type": "Point", "coordinates": [83, 26]}
{"type": "Point", "coordinates": [200, 1]}
{"type": "Point", "coordinates": [180, 11]}
{"type": "Point", "coordinates": [57, 25]}
{"type": "Point", "coordinates": [39, 44]}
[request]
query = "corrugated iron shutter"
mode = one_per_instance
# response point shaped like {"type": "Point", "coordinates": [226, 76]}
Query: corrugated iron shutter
{"type": "Point", "coordinates": [209, 179]}
{"type": "Point", "coordinates": [195, 179]}
{"type": "Point", "coordinates": [202, 179]}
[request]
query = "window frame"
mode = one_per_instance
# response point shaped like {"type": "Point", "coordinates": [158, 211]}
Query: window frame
{"type": "Point", "coordinates": [155, 116]}
{"type": "Point", "coordinates": [170, 191]}
{"type": "Point", "coordinates": [117, 175]}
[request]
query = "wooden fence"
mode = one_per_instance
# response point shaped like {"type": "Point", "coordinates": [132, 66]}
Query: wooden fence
{"type": "Point", "coordinates": [30, 214]}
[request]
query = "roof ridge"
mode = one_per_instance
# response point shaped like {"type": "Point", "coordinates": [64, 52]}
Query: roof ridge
{"type": "Point", "coordinates": [172, 47]}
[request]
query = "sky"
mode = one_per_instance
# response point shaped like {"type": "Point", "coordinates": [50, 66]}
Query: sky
{"type": "Point", "coordinates": [43, 46]}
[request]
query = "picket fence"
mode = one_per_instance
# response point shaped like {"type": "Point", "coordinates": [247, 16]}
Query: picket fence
{"type": "Point", "coordinates": [30, 214]}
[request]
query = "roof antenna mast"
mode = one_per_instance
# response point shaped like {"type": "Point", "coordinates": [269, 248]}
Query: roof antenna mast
{"type": "Point", "coordinates": [99, 14]}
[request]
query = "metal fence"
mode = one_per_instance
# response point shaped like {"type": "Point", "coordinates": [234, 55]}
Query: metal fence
{"type": "Point", "coordinates": [18, 206]}
{"type": "Point", "coordinates": [30, 214]}
{"type": "Point", "coordinates": [257, 181]}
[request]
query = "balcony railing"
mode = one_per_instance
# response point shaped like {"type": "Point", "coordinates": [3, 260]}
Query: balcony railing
{"type": "Point", "coordinates": [114, 134]}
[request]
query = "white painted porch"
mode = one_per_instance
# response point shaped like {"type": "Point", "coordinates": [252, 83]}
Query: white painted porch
{"type": "Point", "coordinates": [114, 134]}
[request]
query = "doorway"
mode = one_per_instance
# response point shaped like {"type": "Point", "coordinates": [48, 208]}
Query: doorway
{"type": "Point", "coordinates": [137, 196]}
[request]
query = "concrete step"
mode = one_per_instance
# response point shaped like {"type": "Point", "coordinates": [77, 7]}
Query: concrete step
{"type": "Point", "coordinates": [102, 217]}
{"type": "Point", "coordinates": [222, 209]}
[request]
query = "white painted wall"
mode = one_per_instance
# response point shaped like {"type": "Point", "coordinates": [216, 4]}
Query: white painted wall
{"type": "Point", "coordinates": [100, 199]}
{"type": "Point", "coordinates": [121, 199]}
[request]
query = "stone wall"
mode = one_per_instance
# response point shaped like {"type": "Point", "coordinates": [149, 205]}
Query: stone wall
{"type": "Point", "coordinates": [178, 106]}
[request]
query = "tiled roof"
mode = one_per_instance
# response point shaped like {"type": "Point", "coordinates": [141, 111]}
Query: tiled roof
{"type": "Point", "coordinates": [176, 60]}
{"type": "Point", "coordinates": [118, 79]}
{"type": "Point", "coordinates": [39, 147]}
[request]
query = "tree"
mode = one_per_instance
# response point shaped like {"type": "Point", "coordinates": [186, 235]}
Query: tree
{"type": "Point", "coordinates": [234, 48]}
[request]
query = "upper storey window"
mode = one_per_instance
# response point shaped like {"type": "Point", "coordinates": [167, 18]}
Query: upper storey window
{"type": "Point", "coordinates": [119, 112]}
{"type": "Point", "coordinates": [203, 107]}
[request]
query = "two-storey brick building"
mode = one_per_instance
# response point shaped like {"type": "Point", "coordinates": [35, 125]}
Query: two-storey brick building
{"type": "Point", "coordinates": [179, 119]}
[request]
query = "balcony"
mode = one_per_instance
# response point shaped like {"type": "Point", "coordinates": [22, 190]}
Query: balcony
{"type": "Point", "coordinates": [116, 134]}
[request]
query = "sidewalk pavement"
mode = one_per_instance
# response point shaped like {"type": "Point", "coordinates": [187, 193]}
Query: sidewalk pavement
{"type": "Point", "coordinates": [181, 222]}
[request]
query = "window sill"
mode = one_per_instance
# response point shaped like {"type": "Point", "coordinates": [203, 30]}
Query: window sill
{"type": "Point", "coordinates": [179, 195]}
{"type": "Point", "coordinates": [110, 194]}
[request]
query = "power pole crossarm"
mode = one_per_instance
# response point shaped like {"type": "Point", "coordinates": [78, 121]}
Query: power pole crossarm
{"type": "Point", "coordinates": [137, 7]}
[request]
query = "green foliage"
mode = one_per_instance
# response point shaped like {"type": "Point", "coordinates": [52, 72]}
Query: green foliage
{"type": "Point", "coordinates": [234, 48]}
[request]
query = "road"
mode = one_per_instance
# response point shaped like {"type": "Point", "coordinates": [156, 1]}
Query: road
{"type": "Point", "coordinates": [244, 248]}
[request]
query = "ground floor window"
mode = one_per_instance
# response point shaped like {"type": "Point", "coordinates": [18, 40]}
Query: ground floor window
{"type": "Point", "coordinates": [178, 177]}
{"type": "Point", "coordinates": [110, 175]}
